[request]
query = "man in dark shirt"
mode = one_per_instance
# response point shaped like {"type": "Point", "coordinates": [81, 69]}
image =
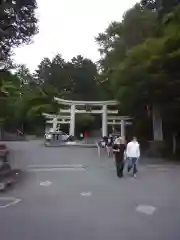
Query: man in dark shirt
{"type": "Point", "coordinates": [118, 150]}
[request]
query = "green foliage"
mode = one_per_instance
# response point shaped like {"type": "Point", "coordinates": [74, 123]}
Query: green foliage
{"type": "Point", "coordinates": [17, 24]}
{"type": "Point", "coordinates": [141, 60]}
{"type": "Point", "coordinates": [72, 80]}
{"type": "Point", "coordinates": [84, 121]}
{"type": "Point", "coordinates": [137, 25]}
{"type": "Point", "coordinates": [24, 96]}
{"type": "Point", "coordinates": [139, 66]}
{"type": "Point", "coordinates": [76, 80]}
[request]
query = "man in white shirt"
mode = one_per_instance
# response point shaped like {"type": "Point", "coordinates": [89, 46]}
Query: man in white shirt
{"type": "Point", "coordinates": [133, 154]}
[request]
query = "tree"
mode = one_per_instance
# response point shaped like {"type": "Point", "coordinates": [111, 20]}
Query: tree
{"type": "Point", "coordinates": [142, 71]}
{"type": "Point", "coordinates": [17, 24]}
{"type": "Point", "coordinates": [84, 77]}
{"type": "Point", "coordinates": [42, 72]}
{"type": "Point", "coordinates": [9, 92]}
{"type": "Point", "coordinates": [70, 80]}
{"type": "Point", "coordinates": [149, 4]}
{"type": "Point", "coordinates": [161, 6]}
{"type": "Point", "coordinates": [84, 122]}
{"type": "Point", "coordinates": [24, 75]}
{"type": "Point", "coordinates": [137, 25]}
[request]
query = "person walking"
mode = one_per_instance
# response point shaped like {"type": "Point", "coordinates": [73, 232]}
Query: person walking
{"type": "Point", "coordinates": [109, 145]}
{"type": "Point", "coordinates": [133, 154]}
{"type": "Point", "coordinates": [119, 147]}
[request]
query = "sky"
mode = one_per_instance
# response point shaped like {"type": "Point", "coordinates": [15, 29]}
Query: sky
{"type": "Point", "coordinates": [69, 27]}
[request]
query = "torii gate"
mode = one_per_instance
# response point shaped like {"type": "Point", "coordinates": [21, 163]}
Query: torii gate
{"type": "Point", "coordinates": [73, 110]}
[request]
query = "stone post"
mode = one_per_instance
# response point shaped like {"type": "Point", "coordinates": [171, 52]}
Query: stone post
{"type": "Point", "coordinates": [156, 147]}
{"type": "Point", "coordinates": [72, 120]}
{"type": "Point", "coordinates": [104, 121]}
{"type": "Point", "coordinates": [157, 124]}
{"type": "Point", "coordinates": [122, 128]}
{"type": "Point", "coordinates": [54, 124]}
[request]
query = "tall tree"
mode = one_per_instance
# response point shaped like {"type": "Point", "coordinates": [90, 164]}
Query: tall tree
{"type": "Point", "coordinates": [75, 79]}
{"type": "Point", "coordinates": [24, 74]}
{"type": "Point", "coordinates": [148, 73]}
{"type": "Point", "coordinates": [84, 76]}
{"type": "Point", "coordinates": [161, 6]}
{"type": "Point", "coordinates": [17, 24]}
{"type": "Point", "coordinates": [137, 25]}
{"type": "Point", "coordinates": [42, 72]}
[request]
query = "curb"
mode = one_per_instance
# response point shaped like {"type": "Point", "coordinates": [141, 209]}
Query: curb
{"type": "Point", "coordinates": [73, 145]}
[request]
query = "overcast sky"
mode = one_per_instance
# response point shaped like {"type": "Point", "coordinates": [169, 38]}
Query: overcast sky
{"type": "Point", "coordinates": [69, 27]}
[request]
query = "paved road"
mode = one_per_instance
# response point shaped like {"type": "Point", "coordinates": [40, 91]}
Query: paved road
{"type": "Point", "coordinates": [85, 200]}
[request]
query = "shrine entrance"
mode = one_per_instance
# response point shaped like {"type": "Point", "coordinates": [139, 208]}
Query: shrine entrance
{"type": "Point", "coordinates": [67, 114]}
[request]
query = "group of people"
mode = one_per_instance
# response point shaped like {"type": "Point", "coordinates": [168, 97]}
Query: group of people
{"type": "Point", "coordinates": [123, 152]}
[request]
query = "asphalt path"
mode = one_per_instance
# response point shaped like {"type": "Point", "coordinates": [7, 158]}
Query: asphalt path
{"type": "Point", "coordinates": [71, 193]}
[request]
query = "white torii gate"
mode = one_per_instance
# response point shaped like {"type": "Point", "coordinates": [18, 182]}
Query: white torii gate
{"type": "Point", "coordinates": [72, 110]}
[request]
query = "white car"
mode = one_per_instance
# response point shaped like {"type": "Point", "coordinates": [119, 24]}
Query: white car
{"type": "Point", "coordinates": [61, 135]}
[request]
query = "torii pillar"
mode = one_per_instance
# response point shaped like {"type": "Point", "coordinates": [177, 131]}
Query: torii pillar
{"type": "Point", "coordinates": [72, 120]}
{"type": "Point", "coordinates": [122, 128]}
{"type": "Point", "coordinates": [104, 121]}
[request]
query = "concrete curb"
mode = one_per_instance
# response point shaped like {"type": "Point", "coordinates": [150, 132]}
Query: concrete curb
{"type": "Point", "coordinates": [73, 145]}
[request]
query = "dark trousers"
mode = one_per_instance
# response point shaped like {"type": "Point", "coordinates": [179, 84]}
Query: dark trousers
{"type": "Point", "coordinates": [119, 167]}
{"type": "Point", "coordinates": [132, 164]}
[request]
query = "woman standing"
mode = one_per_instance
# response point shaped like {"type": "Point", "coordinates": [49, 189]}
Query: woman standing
{"type": "Point", "coordinates": [119, 147]}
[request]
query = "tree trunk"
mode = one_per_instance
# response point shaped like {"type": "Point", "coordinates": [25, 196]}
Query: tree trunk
{"type": "Point", "coordinates": [0, 133]}
{"type": "Point", "coordinates": [174, 143]}
{"type": "Point", "coordinates": [157, 124]}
